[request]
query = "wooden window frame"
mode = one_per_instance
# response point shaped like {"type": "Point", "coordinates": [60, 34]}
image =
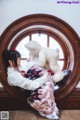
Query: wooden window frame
{"type": "Point", "coordinates": [47, 32]}
{"type": "Point", "coordinates": [54, 23]}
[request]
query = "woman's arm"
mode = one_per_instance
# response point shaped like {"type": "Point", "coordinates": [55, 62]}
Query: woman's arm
{"type": "Point", "coordinates": [16, 79]}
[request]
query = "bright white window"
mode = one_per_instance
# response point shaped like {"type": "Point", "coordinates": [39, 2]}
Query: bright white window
{"type": "Point", "coordinates": [41, 39]}
{"type": "Point", "coordinates": [44, 41]}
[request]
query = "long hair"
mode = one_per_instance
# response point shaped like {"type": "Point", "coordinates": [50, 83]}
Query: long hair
{"type": "Point", "coordinates": [10, 55]}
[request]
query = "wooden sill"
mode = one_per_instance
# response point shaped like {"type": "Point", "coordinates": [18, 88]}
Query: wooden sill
{"type": "Point", "coordinates": [8, 102]}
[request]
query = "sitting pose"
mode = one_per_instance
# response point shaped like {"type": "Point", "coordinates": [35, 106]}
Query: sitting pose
{"type": "Point", "coordinates": [38, 81]}
{"type": "Point", "coordinates": [42, 99]}
{"type": "Point", "coordinates": [11, 59]}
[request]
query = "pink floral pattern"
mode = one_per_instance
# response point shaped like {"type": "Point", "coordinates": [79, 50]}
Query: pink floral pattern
{"type": "Point", "coordinates": [41, 99]}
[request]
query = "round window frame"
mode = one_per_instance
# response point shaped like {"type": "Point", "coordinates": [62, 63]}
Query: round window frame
{"type": "Point", "coordinates": [58, 24]}
{"type": "Point", "coordinates": [44, 31]}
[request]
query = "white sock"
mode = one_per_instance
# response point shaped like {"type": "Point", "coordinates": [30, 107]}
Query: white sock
{"type": "Point", "coordinates": [50, 116]}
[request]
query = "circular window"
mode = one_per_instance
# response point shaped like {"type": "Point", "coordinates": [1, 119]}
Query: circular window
{"type": "Point", "coordinates": [45, 40]}
{"type": "Point", "coordinates": [51, 32]}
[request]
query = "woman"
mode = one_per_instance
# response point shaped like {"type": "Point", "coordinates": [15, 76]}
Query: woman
{"type": "Point", "coordinates": [37, 80]}
{"type": "Point", "coordinates": [11, 59]}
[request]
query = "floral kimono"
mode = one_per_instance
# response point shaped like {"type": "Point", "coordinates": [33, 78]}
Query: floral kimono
{"type": "Point", "coordinates": [41, 99]}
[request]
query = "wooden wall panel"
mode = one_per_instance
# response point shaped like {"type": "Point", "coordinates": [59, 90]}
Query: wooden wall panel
{"type": "Point", "coordinates": [7, 102]}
